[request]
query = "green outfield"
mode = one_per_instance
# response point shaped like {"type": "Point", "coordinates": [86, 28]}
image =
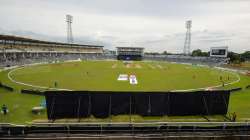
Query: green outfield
{"type": "Point", "coordinates": [103, 75]}
{"type": "Point", "coordinates": [96, 75]}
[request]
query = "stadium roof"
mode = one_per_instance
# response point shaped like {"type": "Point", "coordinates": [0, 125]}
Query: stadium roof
{"type": "Point", "coordinates": [23, 39]}
{"type": "Point", "coordinates": [131, 47]}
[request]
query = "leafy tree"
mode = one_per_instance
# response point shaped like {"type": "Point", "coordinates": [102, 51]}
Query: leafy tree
{"type": "Point", "coordinates": [234, 57]}
{"type": "Point", "coordinates": [165, 53]}
{"type": "Point", "coordinates": [246, 56]}
{"type": "Point", "coordinates": [198, 52]}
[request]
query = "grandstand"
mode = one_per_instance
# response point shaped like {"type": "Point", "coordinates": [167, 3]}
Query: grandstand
{"type": "Point", "coordinates": [18, 50]}
{"type": "Point", "coordinates": [211, 61]}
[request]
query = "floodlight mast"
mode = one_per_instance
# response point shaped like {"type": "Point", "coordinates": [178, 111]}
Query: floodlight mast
{"type": "Point", "coordinates": [187, 43]}
{"type": "Point", "coordinates": [69, 20]}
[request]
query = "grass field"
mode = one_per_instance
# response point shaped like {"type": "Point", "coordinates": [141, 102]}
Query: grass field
{"type": "Point", "coordinates": [102, 75]}
{"type": "Point", "coordinates": [96, 75]}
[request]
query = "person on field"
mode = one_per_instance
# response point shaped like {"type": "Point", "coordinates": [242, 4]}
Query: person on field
{"type": "Point", "coordinates": [4, 109]}
{"type": "Point", "coordinates": [55, 84]}
{"type": "Point", "coordinates": [234, 116]}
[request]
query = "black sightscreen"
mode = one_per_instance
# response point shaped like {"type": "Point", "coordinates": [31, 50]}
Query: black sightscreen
{"type": "Point", "coordinates": [78, 104]}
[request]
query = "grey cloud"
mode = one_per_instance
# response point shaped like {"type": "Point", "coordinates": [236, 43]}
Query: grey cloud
{"type": "Point", "coordinates": [212, 37]}
{"type": "Point", "coordinates": [153, 24]}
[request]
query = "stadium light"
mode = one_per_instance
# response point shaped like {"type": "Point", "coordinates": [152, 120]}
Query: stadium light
{"type": "Point", "coordinates": [187, 43]}
{"type": "Point", "coordinates": [69, 20]}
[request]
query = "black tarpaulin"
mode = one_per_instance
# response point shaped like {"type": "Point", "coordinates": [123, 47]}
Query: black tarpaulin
{"type": "Point", "coordinates": [184, 104]}
{"type": "Point", "coordinates": [62, 106]}
{"type": "Point", "coordinates": [84, 109]}
{"type": "Point", "coordinates": [102, 104]}
{"type": "Point", "coordinates": [159, 104]}
{"type": "Point", "coordinates": [120, 104]}
{"type": "Point", "coordinates": [217, 102]}
{"type": "Point", "coordinates": [141, 104]}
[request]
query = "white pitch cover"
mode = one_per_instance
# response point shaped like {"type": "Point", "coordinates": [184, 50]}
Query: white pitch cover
{"type": "Point", "coordinates": [122, 77]}
{"type": "Point", "coordinates": [133, 80]}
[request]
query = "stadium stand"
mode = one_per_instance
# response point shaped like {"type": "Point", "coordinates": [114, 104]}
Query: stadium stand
{"type": "Point", "coordinates": [211, 61]}
{"type": "Point", "coordinates": [18, 51]}
{"type": "Point", "coordinates": [204, 131]}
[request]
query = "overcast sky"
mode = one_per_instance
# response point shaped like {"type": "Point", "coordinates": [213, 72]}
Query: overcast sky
{"type": "Point", "coordinates": [157, 25]}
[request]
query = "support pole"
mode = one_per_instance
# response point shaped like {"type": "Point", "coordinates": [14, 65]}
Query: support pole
{"type": "Point", "coordinates": [205, 103]}
{"type": "Point", "coordinates": [130, 109]}
{"type": "Point", "coordinates": [110, 104]}
{"type": "Point", "coordinates": [149, 105]}
{"type": "Point", "coordinates": [79, 108]}
{"type": "Point", "coordinates": [52, 108]}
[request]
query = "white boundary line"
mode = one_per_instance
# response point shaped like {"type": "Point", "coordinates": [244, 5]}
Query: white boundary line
{"type": "Point", "coordinates": [185, 90]}
{"type": "Point", "coordinates": [34, 86]}
{"type": "Point", "coordinates": [212, 87]}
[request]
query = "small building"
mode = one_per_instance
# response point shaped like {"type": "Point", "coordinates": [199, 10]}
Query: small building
{"type": "Point", "coordinates": [130, 53]}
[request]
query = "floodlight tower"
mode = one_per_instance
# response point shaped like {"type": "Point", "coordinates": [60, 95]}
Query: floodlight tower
{"type": "Point", "coordinates": [69, 20]}
{"type": "Point", "coordinates": [187, 44]}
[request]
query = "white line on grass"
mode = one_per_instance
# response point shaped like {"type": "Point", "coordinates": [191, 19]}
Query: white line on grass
{"type": "Point", "coordinates": [212, 87]}
{"type": "Point", "coordinates": [30, 85]}
{"type": "Point", "coordinates": [185, 90]}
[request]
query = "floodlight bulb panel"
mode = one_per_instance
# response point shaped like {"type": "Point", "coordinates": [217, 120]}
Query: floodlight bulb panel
{"type": "Point", "coordinates": [188, 24]}
{"type": "Point", "coordinates": [69, 18]}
